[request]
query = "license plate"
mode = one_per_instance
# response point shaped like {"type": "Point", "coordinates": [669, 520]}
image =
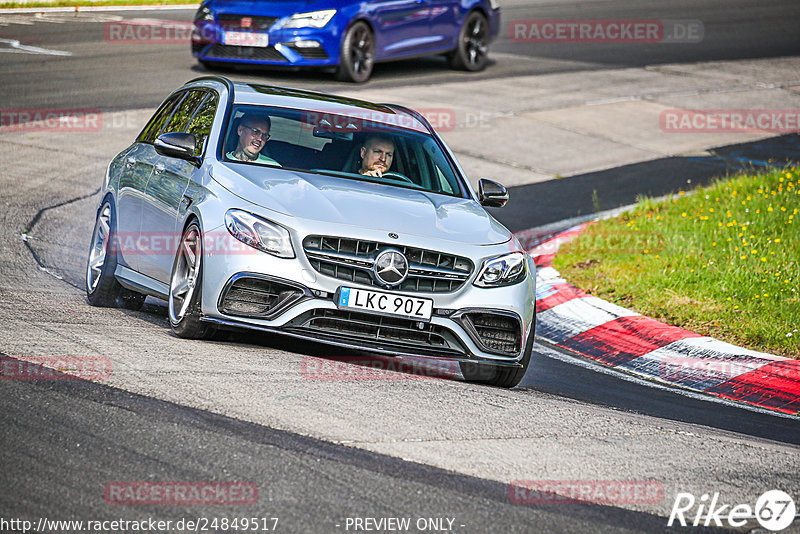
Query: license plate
{"type": "Point", "coordinates": [385, 303]}
{"type": "Point", "coordinates": [246, 39]}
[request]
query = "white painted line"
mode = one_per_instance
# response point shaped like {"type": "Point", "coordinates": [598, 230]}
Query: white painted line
{"type": "Point", "coordinates": [18, 47]}
{"type": "Point", "coordinates": [19, 10]}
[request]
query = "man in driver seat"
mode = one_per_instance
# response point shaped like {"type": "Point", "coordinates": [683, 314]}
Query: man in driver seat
{"type": "Point", "coordinates": [377, 154]}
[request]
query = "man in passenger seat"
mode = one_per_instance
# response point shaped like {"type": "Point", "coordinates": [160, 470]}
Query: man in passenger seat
{"type": "Point", "coordinates": [253, 131]}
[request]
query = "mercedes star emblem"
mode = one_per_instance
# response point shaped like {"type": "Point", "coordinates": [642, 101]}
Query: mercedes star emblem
{"type": "Point", "coordinates": [391, 267]}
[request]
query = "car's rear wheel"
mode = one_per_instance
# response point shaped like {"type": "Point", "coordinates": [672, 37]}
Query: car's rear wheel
{"type": "Point", "coordinates": [496, 375]}
{"type": "Point", "coordinates": [185, 287]}
{"type": "Point", "coordinates": [102, 288]}
{"type": "Point", "coordinates": [357, 54]}
{"type": "Point", "coordinates": [472, 50]}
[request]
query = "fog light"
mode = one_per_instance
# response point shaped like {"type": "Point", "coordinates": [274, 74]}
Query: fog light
{"type": "Point", "coordinates": [305, 44]}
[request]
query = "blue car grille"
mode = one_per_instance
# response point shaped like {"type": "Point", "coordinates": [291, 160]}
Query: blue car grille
{"type": "Point", "coordinates": [352, 260]}
{"type": "Point", "coordinates": [245, 52]}
{"type": "Point", "coordinates": [256, 23]}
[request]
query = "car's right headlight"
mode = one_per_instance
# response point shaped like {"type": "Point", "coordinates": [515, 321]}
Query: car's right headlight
{"type": "Point", "coordinates": [259, 233]}
{"type": "Point", "coordinates": [503, 270]}
{"type": "Point", "coordinates": [313, 19]}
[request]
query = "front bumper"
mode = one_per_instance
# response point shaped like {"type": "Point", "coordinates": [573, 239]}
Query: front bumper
{"type": "Point", "coordinates": [301, 47]}
{"type": "Point", "coordinates": [304, 306]}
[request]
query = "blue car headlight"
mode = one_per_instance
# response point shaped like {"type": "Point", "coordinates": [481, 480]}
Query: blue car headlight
{"type": "Point", "coordinates": [313, 19]}
{"type": "Point", "coordinates": [203, 13]}
{"type": "Point", "coordinates": [259, 233]}
{"type": "Point", "coordinates": [503, 270]}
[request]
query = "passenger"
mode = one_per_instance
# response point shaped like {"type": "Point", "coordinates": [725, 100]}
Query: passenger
{"type": "Point", "coordinates": [377, 154]}
{"type": "Point", "coordinates": [253, 134]}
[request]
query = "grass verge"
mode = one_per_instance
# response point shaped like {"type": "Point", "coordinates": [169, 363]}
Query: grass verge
{"type": "Point", "coordinates": [723, 261]}
{"type": "Point", "coordinates": [93, 3]}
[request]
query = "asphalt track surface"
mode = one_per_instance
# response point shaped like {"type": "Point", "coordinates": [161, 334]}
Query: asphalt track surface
{"type": "Point", "coordinates": [61, 441]}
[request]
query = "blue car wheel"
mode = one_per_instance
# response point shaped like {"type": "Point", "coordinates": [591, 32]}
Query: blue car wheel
{"type": "Point", "coordinates": [357, 55]}
{"type": "Point", "coordinates": [472, 52]}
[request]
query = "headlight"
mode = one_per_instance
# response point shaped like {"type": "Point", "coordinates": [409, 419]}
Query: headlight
{"type": "Point", "coordinates": [204, 14]}
{"type": "Point", "coordinates": [259, 233]}
{"type": "Point", "coordinates": [314, 19]}
{"type": "Point", "coordinates": [502, 271]}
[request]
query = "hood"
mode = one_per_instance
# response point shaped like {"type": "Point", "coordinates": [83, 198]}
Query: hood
{"type": "Point", "coordinates": [273, 8]}
{"type": "Point", "coordinates": [364, 204]}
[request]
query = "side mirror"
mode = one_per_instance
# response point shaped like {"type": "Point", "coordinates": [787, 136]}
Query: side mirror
{"type": "Point", "coordinates": [178, 145]}
{"type": "Point", "coordinates": [491, 194]}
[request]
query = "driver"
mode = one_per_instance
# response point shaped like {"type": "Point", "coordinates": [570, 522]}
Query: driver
{"type": "Point", "coordinates": [377, 154]}
{"type": "Point", "coordinates": [253, 131]}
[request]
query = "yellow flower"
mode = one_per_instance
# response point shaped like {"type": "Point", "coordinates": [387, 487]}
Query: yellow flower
{"type": "Point", "coordinates": [763, 258]}
{"type": "Point", "coordinates": [683, 214]}
{"type": "Point", "coordinates": [777, 239]}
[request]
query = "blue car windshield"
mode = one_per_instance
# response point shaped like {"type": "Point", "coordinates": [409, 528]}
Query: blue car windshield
{"type": "Point", "coordinates": [347, 146]}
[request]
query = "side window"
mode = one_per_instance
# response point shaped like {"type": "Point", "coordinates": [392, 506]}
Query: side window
{"type": "Point", "coordinates": [161, 116]}
{"type": "Point", "coordinates": [184, 112]}
{"type": "Point", "coordinates": [201, 123]}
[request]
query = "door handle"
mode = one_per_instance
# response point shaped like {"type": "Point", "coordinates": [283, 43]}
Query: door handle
{"type": "Point", "coordinates": [130, 162]}
{"type": "Point", "coordinates": [159, 168]}
{"type": "Point", "coordinates": [187, 200]}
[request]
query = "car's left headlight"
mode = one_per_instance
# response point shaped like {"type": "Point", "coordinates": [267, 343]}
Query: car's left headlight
{"type": "Point", "coordinates": [204, 13]}
{"type": "Point", "coordinates": [313, 19]}
{"type": "Point", "coordinates": [503, 270]}
{"type": "Point", "coordinates": [259, 233]}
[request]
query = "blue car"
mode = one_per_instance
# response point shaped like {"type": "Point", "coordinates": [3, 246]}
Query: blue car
{"type": "Point", "coordinates": [347, 35]}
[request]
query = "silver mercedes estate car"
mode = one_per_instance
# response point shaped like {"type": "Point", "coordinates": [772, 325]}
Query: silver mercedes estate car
{"type": "Point", "coordinates": [314, 216]}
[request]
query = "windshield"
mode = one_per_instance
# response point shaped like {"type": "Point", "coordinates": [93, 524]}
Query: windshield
{"type": "Point", "coordinates": [349, 147]}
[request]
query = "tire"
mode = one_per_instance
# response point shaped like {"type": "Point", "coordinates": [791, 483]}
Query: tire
{"type": "Point", "coordinates": [185, 286]}
{"type": "Point", "coordinates": [102, 288]}
{"type": "Point", "coordinates": [472, 50]}
{"type": "Point", "coordinates": [357, 56]}
{"type": "Point", "coordinates": [497, 375]}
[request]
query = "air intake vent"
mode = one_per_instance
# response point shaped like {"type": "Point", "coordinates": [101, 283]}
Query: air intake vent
{"type": "Point", "coordinates": [495, 332]}
{"type": "Point", "coordinates": [249, 296]}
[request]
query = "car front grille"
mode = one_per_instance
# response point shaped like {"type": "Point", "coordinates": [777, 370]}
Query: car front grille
{"type": "Point", "coordinates": [495, 332]}
{"type": "Point", "coordinates": [258, 53]}
{"type": "Point", "coordinates": [367, 330]}
{"type": "Point", "coordinates": [250, 296]}
{"type": "Point", "coordinates": [316, 52]}
{"type": "Point", "coordinates": [352, 260]}
{"type": "Point", "coordinates": [255, 23]}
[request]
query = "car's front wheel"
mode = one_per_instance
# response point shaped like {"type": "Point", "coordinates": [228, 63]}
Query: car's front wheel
{"type": "Point", "coordinates": [357, 55]}
{"type": "Point", "coordinates": [185, 287]}
{"type": "Point", "coordinates": [472, 51]}
{"type": "Point", "coordinates": [496, 375]}
{"type": "Point", "coordinates": [102, 288]}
